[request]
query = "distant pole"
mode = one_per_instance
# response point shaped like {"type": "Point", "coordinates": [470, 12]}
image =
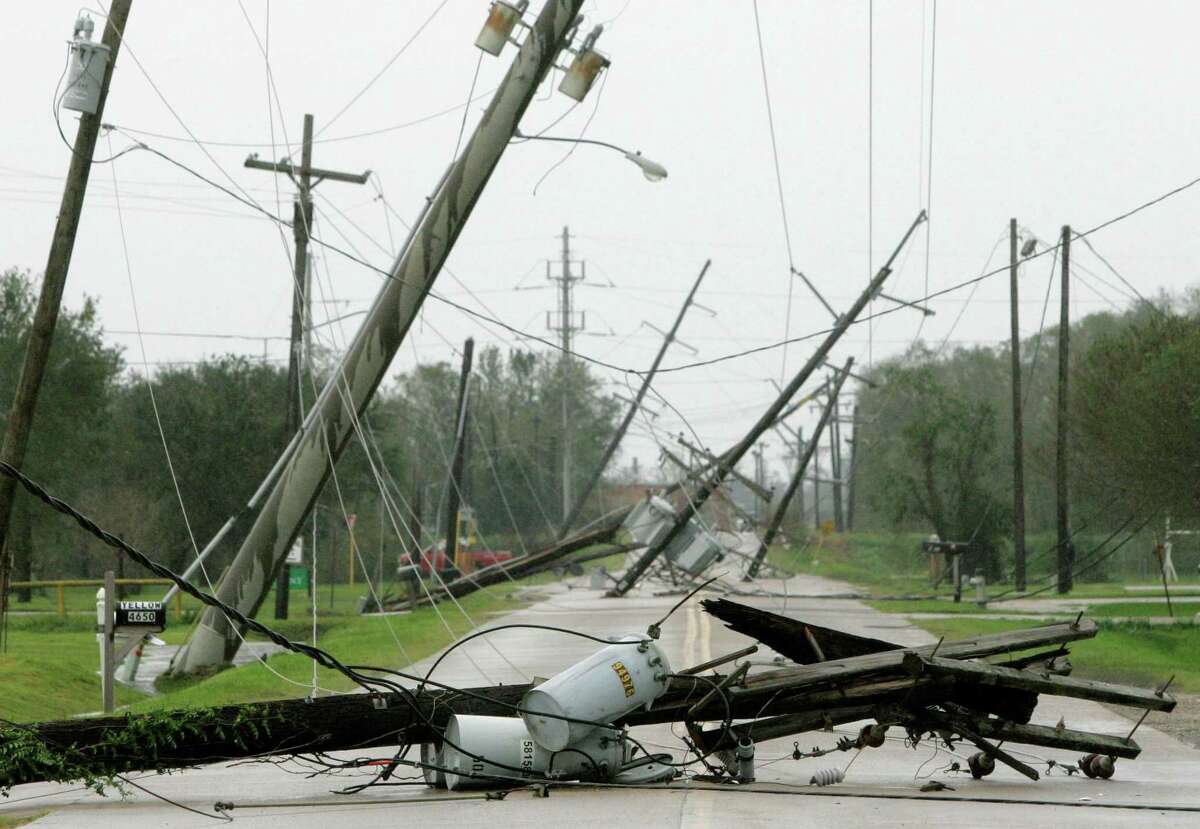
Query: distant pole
{"type": "Point", "coordinates": [45, 317]}
{"type": "Point", "coordinates": [816, 482]}
{"type": "Point", "coordinates": [1065, 556]}
{"type": "Point", "coordinates": [828, 416]}
{"type": "Point", "coordinates": [615, 441]}
{"type": "Point", "coordinates": [566, 329]}
{"type": "Point", "coordinates": [800, 471]}
{"type": "Point", "coordinates": [835, 463]}
{"type": "Point", "coordinates": [455, 482]}
{"type": "Point", "coordinates": [302, 216]}
{"type": "Point", "coordinates": [851, 471]}
{"type": "Point", "coordinates": [1018, 427]}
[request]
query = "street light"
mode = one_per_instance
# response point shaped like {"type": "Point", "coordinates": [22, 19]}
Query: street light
{"type": "Point", "coordinates": [652, 170]}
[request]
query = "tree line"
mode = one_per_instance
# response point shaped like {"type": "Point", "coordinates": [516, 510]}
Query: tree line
{"type": "Point", "coordinates": [164, 457]}
{"type": "Point", "coordinates": [934, 446]}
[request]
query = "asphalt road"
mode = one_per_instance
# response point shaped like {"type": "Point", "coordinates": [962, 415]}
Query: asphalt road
{"type": "Point", "coordinates": [881, 788]}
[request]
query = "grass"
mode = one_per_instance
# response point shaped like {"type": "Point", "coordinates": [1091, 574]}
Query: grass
{"type": "Point", "coordinates": [12, 822]}
{"type": "Point", "coordinates": [1128, 652]}
{"type": "Point", "coordinates": [1183, 610]}
{"type": "Point", "coordinates": [876, 563]}
{"type": "Point", "coordinates": [51, 673]}
{"type": "Point", "coordinates": [50, 668]}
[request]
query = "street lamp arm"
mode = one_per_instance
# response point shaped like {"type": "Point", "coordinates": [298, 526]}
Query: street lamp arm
{"type": "Point", "coordinates": [652, 170]}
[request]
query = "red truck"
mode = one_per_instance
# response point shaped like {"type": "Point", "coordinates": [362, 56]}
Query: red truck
{"type": "Point", "coordinates": [470, 558]}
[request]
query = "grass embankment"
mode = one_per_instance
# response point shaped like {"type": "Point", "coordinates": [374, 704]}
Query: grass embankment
{"type": "Point", "coordinates": [878, 564]}
{"type": "Point", "coordinates": [13, 821]}
{"type": "Point", "coordinates": [50, 670]}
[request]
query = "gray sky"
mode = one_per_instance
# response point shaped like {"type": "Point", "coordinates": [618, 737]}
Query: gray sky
{"type": "Point", "coordinates": [1056, 112]}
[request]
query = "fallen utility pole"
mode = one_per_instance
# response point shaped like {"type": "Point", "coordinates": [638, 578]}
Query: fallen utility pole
{"type": "Point", "coordinates": [1018, 428]}
{"type": "Point", "coordinates": [454, 481]}
{"type": "Point", "coordinates": [302, 216]}
{"type": "Point", "coordinates": [929, 688]}
{"type": "Point", "coordinates": [1065, 550]}
{"type": "Point", "coordinates": [353, 383]}
{"type": "Point", "coordinates": [615, 440]}
{"type": "Point", "coordinates": [54, 280]}
{"type": "Point", "coordinates": [798, 476]}
{"type": "Point", "coordinates": [632, 574]}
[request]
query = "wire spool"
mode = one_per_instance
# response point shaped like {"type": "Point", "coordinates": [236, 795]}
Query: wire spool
{"type": "Point", "coordinates": [872, 736]}
{"type": "Point", "coordinates": [1103, 766]}
{"type": "Point", "coordinates": [981, 765]}
{"type": "Point", "coordinates": [827, 777]}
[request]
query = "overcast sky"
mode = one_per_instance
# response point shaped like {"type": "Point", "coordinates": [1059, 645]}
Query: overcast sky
{"type": "Point", "coordinates": [1053, 112]}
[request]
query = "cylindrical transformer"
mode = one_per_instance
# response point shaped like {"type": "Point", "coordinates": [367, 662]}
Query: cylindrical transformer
{"type": "Point", "coordinates": [582, 73]}
{"type": "Point", "coordinates": [615, 680]}
{"type": "Point", "coordinates": [85, 75]}
{"type": "Point", "coordinates": [499, 25]}
{"type": "Point", "coordinates": [432, 765]}
{"type": "Point", "coordinates": [505, 746]}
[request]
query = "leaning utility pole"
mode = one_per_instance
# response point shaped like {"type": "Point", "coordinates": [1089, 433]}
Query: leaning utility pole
{"type": "Point", "coordinates": [1065, 556]}
{"type": "Point", "coordinates": [615, 440]}
{"type": "Point", "coordinates": [728, 460]}
{"type": "Point", "coordinates": [797, 481]}
{"type": "Point", "coordinates": [62, 244]}
{"type": "Point", "coordinates": [333, 417]}
{"type": "Point", "coordinates": [1018, 427]}
{"type": "Point", "coordinates": [454, 483]}
{"type": "Point", "coordinates": [302, 215]}
{"type": "Point", "coordinates": [566, 329]}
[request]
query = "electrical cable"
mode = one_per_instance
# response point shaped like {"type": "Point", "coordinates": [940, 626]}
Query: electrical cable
{"type": "Point", "coordinates": [697, 363]}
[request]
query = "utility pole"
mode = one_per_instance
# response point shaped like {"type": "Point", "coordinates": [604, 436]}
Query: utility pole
{"type": "Point", "coordinates": [730, 458]}
{"type": "Point", "coordinates": [615, 441]}
{"type": "Point", "coordinates": [58, 263]}
{"type": "Point", "coordinates": [454, 484]}
{"type": "Point", "coordinates": [1065, 551]}
{"type": "Point", "coordinates": [566, 329]}
{"type": "Point", "coordinates": [851, 470]}
{"type": "Point", "coordinates": [302, 215]}
{"type": "Point", "coordinates": [835, 465]}
{"type": "Point", "coordinates": [1018, 426]}
{"type": "Point", "coordinates": [759, 475]}
{"type": "Point", "coordinates": [797, 481]}
{"type": "Point", "coordinates": [816, 485]}
{"type": "Point", "coordinates": [304, 469]}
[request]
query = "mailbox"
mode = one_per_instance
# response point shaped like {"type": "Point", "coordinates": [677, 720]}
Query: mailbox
{"type": "Point", "coordinates": [140, 617]}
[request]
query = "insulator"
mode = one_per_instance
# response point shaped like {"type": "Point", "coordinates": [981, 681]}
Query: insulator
{"type": "Point", "coordinates": [827, 777]}
{"type": "Point", "coordinates": [745, 760]}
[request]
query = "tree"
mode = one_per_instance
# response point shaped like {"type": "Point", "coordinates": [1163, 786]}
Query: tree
{"type": "Point", "coordinates": [933, 456]}
{"type": "Point", "coordinates": [71, 427]}
{"type": "Point", "coordinates": [1137, 415]}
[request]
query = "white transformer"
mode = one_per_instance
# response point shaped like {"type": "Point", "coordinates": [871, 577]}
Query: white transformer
{"type": "Point", "coordinates": [693, 549]}
{"type": "Point", "coordinates": [504, 751]}
{"type": "Point", "coordinates": [650, 520]}
{"type": "Point", "coordinates": [610, 683]}
{"type": "Point", "coordinates": [86, 72]}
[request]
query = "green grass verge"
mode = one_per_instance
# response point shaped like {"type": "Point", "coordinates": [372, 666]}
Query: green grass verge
{"type": "Point", "coordinates": [50, 668]}
{"type": "Point", "coordinates": [50, 674]}
{"type": "Point", "coordinates": [13, 821]}
{"type": "Point", "coordinates": [1183, 610]}
{"type": "Point", "coordinates": [1127, 652]}
{"type": "Point", "coordinates": [876, 563]}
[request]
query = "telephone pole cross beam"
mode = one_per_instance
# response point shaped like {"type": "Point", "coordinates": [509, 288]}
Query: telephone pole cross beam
{"type": "Point", "coordinates": [305, 177]}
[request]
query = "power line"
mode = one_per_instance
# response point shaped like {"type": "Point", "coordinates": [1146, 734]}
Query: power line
{"type": "Point", "coordinates": [698, 363]}
{"type": "Point", "coordinates": [787, 233]}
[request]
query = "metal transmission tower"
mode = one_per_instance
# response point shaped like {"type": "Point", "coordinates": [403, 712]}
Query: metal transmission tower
{"type": "Point", "coordinates": [563, 322]}
{"type": "Point", "coordinates": [306, 178]}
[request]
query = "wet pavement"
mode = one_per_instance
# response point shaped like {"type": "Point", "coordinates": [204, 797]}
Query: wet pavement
{"type": "Point", "coordinates": [881, 788]}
